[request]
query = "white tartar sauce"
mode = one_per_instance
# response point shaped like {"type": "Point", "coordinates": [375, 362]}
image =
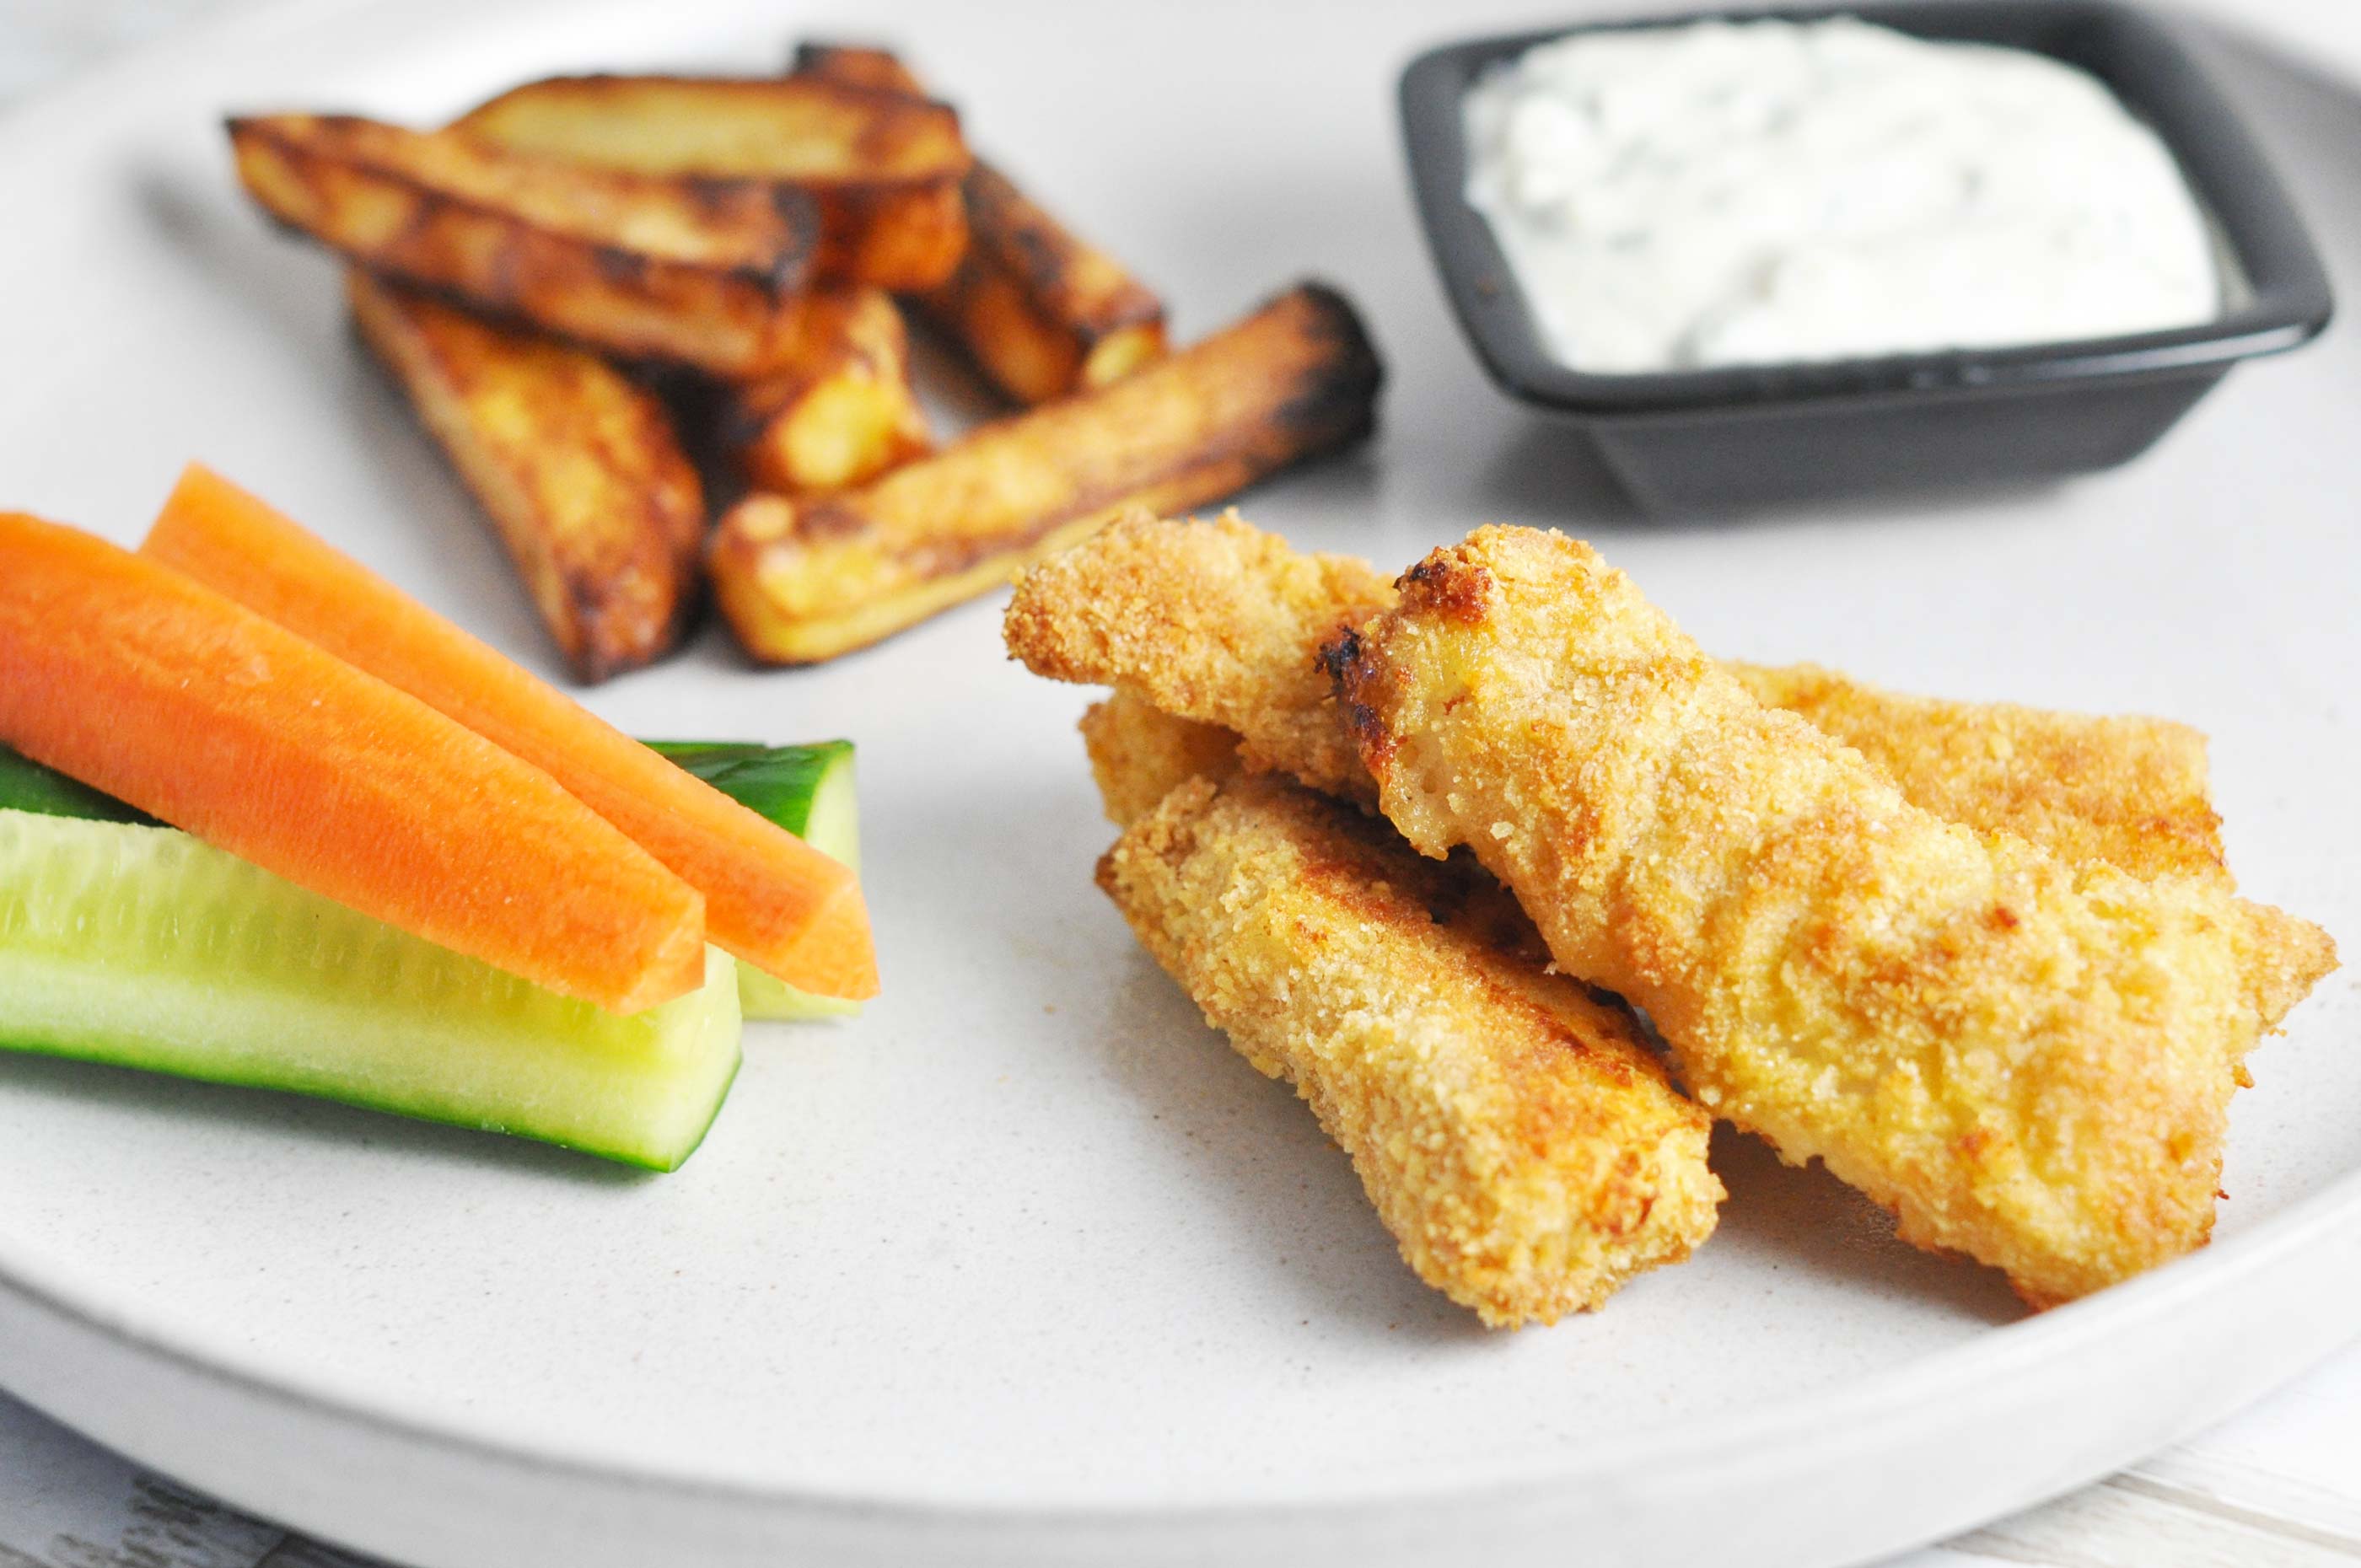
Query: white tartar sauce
{"type": "Point", "coordinates": [1731, 193]}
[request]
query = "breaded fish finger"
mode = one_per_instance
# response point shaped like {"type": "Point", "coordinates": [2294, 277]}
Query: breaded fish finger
{"type": "Point", "coordinates": [2028, 1061]}
{"type": "Point", "coordinates": [1222, 623]}
{"type": "Point", "coordinates": [1514, 1134]}
{"type": "Point", "coordinates": [1219, 622]}
{"type": "Point", "coordinates": [1139, 754]}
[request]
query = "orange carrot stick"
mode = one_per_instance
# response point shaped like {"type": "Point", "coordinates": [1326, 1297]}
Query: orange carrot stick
{"type": "Point", "coordinates": [160, 692]}
{"type": "Point", "coordinates": [770, 898]}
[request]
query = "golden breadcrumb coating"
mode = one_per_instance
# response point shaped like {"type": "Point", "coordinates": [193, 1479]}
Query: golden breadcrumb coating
{"type": "Point", "coordinates": [1215, 621]}
{"type": "Point", "coordinates": [1223, 623]}
{"type": "Point", "coordinates": [1139, 754]}
{"type": "Point", "coordinates": [1514, 1226]}
{"type": "Point", "coordinates": [2028, 1061]}
{"type": "Point", "coordinates": [1516, 1138]}
{"type": "Point", "coordinates": [2131, 792]}
{"type": "Point", "coordinates": [2280, 956]}
{"type": "Point", "coordinates": [1220, 622]}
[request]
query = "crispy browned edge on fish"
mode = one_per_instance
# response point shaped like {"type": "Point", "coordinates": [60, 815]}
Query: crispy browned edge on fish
{"type": "Point", "coordinates": [703, 272]}
{"type": "Point", "coordinates": [577, 466]}
{"type": "Point", "coordinates": [1040, 310]}
{"type": "Point", "coordinates": [802, 581]}
{"type": "Point", "coordinates": [2028, 1060]}
{"type": "Point", "coordinates": [841, 411]}
{"type": "Point", "coordinates": [1512, 1131]}
{"type": "Point", "coordinates": [880, 171]}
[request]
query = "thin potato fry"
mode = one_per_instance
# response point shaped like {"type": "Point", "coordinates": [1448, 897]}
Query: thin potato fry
{"type": "Point", "coordinates": [806, 581]}
{"type": "Point", "coordinates": [576, 466]}
{"type": "Point", "coordinates": [842, 411]}
{"type": "Point", "coordinates": [700, 273]}
{"type": "Point", "coordinates": [1040, 310]}
{"type": "Point", "coordinates": [883, 170]}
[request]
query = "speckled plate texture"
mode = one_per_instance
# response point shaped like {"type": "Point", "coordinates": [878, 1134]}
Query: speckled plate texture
{"type": "Point", "coordinates": [1025, 1266]}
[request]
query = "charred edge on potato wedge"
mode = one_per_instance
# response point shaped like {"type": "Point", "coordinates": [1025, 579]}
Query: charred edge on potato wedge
{"type": "Point", "coordinates": [842, 411]}
{"type": "Point", "coordinates": [577, 466]}
{"type": "Point", "coordinates": [882, 169]}
{"type": "Point", "coordinates": [1041, 311]}
{"type": "Point", "coordinates": [802, 581]}
{"type": "Point", "coordinates": [857, 65]}
{"type": "Point", "coordinates": [701, 271]}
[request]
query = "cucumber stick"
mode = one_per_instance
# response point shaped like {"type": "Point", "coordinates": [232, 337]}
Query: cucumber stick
{"type": "Point", "coordinates": [127, 942]}
{"type": "Point", "coordinates": [146, 948]}
{"type": "Point", "coordinates": [807, 790]}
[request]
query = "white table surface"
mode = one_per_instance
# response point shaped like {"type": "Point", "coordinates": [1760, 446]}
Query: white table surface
{"type": "Point", "coordinates": [2279, 1487]}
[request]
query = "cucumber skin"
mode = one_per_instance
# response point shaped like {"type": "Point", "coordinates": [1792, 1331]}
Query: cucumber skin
{"type": "Point", "coordinates": [778, 782]}
{"type": "Point", "coordinates": [402, 1027]}
{"type": "Point", "coordinates": [26, 785]}
{"type": "Point", "coordinates": [809, 791]}
{"type": "Point", "coordinates": [637, 1158]}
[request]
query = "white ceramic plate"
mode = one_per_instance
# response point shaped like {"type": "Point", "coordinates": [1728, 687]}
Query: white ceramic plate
{"type": "Point", "coordinates": [1025, 1265]}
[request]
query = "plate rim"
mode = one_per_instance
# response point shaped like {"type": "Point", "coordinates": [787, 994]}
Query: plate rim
{"type": "Point", "coordinates": [2044, 1339]}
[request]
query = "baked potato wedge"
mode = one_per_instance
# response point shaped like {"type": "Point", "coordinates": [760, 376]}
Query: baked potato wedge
{"type": "Point", "coordinates": [842, 411]}
{"type": "Point", "coordinates": [1042, 312]}
{"type": "Point", "coordinates": [806, 580]}
{"type": "Point", "coordinates": [881, 169]}
{"type": "Point", "coordinates": [857, 65]}
{"type": "Point", "coordinates": [577, 466]}
{"type": "Point", "coordinates": [704, 272]}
